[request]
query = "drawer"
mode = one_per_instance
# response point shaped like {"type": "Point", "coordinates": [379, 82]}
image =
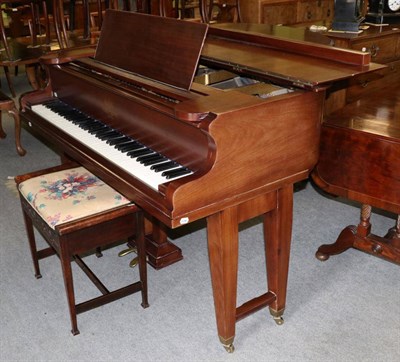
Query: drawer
{"type": "Point", "coordinates": [314, 10]}
{"type": "Point", "coordinates": [369, 83]}
{"type": "Point", "coordinates": [383, 50]}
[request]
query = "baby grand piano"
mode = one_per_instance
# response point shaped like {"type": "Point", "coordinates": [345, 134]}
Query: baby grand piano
{"type": "Point", "coordinates": [191, 126]}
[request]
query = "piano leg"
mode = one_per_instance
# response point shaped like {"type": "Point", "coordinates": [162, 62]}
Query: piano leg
{"type": "Point", "coordinates": [223, 242]}
{"type": "Point", "coordinates": [222, 233]}
{"type": "Point", "coordinates": [160, 251]}
{"type": "Point", "coordinates": [278, 234]}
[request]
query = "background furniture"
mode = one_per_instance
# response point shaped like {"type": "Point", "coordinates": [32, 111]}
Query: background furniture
{"type": "Point", "coordinates": [102, 218]}
{"type": "Point", "coordinates": [7, 104]}
{"type": "Point", "coordinates": [220, 11]}
{"type": "Point", "coordinates": [384, 45]}
{"type": "Point", "coordinates": [359, 160]}
{"type": "Point", "coordinates": [23, 17]}
{"type": "Point", "coordinates": [286, 12]}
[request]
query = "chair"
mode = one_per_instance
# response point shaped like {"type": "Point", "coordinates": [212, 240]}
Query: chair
{"type": "Point", "coordinates": [24, 17]}
{"type": "Point", "coordinates": [7, 104]}
{"type": "Point", "coordinates": [77, 213]}
{"type": "Point", "coordinates": [220, 11]}
{"type": "Point", "coordinates": [84, 17]}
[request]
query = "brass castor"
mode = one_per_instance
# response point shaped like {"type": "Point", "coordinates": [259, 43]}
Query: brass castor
{"type": "Point", "coordinates": [278, 320]}
{"type": "Point", "coordinates": [228, 344]}
{"type": "Point", "coordinates": [277, 316]}
{"type": "Point", "coordinates": [230, 348]}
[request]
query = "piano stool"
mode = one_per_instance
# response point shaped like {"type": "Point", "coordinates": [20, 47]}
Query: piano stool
{"type": "Point", "coordinates": [77, 213]}
{"type": "Point", "coordinates": [7, 104]}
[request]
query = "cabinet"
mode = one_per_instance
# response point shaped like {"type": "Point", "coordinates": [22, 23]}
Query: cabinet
{"type": "Point", "coordinates": [286, 12]}
{"type": "Point", "coordinates": [384, 45]}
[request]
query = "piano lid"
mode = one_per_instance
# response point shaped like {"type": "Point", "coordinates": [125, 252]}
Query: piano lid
{"type": "Point", "coordinates": [163, 49]}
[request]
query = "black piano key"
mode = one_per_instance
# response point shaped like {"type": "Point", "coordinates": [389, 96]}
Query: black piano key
{"type": "Point", "coordinates": [164, 166]}
{"type": "Point", "coordinates": [151, 159]}
{"type": "Point", "coordinates": [176, 172]}
{"type": "Point", "coordinates": [86, 123]}
{"type": "Point", "coordinates": [155, 161]}
{"type": "Point", "coordinates": [105, 131]}
{"type": "Point", "coordinates": [104, 134]}
{"type": "Point", "coordinates": [148, 157]}
{"type": "Point", "coordinates": [96, 128]}
{"type": "Point", "coordinates": [112, 136]}
{"type": "Point", "coordinates": [141, 152]}
{"type": "Point", "coordinates": [119, 140]}
{"type": "Point", "coordinates": [89, 127]}
{"type": "Point", "coordinates": [131, 146]}
{"type": "Point", "coordinates": [79, 119]}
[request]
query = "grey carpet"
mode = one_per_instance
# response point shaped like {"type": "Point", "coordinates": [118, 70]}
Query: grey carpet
{"type": "Point", "coordinates": [345, 309]}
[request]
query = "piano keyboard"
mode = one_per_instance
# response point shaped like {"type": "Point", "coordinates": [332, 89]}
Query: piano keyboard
{"type": "Point", "coordinates": [135, 158]}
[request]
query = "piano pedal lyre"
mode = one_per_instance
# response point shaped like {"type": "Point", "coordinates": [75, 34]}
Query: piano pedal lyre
{"type": "Point", "coordinates": [128, 251]}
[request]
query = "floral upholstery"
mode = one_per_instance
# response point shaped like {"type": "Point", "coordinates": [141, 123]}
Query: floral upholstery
{"type": "Point", "coordinates": [69, 195]}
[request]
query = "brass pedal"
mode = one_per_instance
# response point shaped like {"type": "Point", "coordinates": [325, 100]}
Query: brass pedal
{"type": "Point", "coordinates": [127, 251]}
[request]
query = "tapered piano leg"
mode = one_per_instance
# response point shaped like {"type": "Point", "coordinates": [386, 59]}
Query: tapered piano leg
{"type": "Point", "coordinates": [222, 229]}
{"type": "Point", "coordinates": [277, 234]}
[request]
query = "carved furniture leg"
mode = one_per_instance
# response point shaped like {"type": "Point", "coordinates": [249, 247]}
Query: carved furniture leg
{"type": "Point", "coordinates": [347, 237]}
{"type": "Point", "coordinates": [222, 230]}
{"type": "Point", "coordinates": [277, 234]}
{"type": "Point", "coordinates": [361, 238]}
{"type": "Point", "coordinates": [14, 112]}
{"type": "Point", "coordinates": [394, 234]}
{"type": "Point", "coordinates": [343, 242]}
{"type": "Point", "coordinates": [7, 104]}
{"type": "Point", "coordinates": [9, 81]}
{"type": "Point", "coordinates": [31, 73]}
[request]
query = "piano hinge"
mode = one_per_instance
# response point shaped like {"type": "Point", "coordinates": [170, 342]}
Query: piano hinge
{"type": "Point", "coordinates": [260, 75]}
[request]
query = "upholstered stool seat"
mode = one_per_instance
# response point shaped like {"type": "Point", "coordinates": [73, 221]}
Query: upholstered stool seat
{"type": "Point", "coordinates": [78, 213]}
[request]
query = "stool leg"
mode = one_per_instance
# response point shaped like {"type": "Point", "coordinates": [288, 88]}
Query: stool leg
{"type": "Point", "coordinates": [65, 259]}
{"type": "Point", "coordinates": [32, 244]}
{"type": "Point", "coordinates": [140, 244]}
